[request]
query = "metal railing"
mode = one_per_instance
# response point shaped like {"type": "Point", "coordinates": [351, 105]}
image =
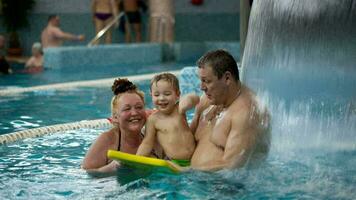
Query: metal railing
{"type": "Point", "coordinates": [105, 29]}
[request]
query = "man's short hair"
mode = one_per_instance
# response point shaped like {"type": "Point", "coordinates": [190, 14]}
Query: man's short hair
{"type": "Point", "coordinates": [52, 17]}
{"type": "Point", "coordinates": [220, 61]}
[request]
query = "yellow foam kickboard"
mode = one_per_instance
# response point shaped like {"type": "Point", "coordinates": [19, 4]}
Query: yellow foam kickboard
{"type": "Point", "coordinates": [142, 161]}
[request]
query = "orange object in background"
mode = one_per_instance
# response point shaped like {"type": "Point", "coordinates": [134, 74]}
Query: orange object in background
{"type": "Point", "coordinates": [197, 2]}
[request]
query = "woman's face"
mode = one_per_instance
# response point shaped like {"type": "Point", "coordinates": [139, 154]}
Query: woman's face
{"type": "Point", "coordinates": [130, 112]}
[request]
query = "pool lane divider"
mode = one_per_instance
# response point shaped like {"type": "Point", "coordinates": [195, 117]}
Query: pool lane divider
{"type": "Point", "coordinates": [36, 132]}
{"type": "Point", "coordinates": [92, 83]}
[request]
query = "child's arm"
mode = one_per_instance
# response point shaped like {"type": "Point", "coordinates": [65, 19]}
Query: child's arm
{"type": "Point", "coordinates": [187, 102]}
{"type": "Point", "coordinates": [149, 140]}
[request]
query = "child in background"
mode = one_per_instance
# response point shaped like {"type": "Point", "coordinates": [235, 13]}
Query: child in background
{"type": "Point", "coordinates": [169, 124]}
{"type": "Point", "coordinates": [35, 63]}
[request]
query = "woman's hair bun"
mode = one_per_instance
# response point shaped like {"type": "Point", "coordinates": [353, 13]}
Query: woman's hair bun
{"type": "Point", "coordinates": [122, 85]}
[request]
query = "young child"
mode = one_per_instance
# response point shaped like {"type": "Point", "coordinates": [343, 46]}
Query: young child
{"type": "Point", "coordinates": [168, 125]}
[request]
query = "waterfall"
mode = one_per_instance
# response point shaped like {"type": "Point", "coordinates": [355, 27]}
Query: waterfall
{"type": "Point", "coordinates": [300, 59]}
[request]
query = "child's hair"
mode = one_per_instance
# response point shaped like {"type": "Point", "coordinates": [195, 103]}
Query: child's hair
{"type": "Point", "coordinates": [170, 78]}
{"type": "Point", "coordinates": [121, 86]}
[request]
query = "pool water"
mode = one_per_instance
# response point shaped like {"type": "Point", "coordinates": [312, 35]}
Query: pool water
{"type": "Point", "coordinates": [42, 108]}
{"type": "Point", "coordinates": [50, 76]}
{"type": "Point", "coordinates": [49, 168]}
{"type": "Point", "coordinates": [312, 156]}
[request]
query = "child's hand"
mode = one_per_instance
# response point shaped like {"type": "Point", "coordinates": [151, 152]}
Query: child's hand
{"type": "Point", "coordinates": [187, 102]}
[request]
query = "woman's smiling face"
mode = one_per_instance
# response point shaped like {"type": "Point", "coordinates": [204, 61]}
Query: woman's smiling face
{"type": "Point", "coordinates": [130, 114]}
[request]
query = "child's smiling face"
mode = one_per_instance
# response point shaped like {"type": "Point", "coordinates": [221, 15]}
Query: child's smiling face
{"type": "Point", "coordinates": [164, 96]}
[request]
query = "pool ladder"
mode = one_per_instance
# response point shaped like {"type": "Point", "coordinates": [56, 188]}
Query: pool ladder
{"type": "Point", "coordinates": [105, 29]}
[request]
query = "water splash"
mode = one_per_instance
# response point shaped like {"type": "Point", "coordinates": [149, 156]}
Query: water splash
{"type": "Point", "coordinates": [300, 58]}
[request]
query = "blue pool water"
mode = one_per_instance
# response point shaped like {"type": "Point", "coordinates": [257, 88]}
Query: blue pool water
{"type": "Point", "coordinates": [49, 168]}
{"type": "Point", "coordinates": [308, 160]}
{"type": "Point", "coordinates": [299, 58]}
{"type": "Point", "coordinates": [43, 108]}
{"type": "Point", "coordinates": [50, 76]}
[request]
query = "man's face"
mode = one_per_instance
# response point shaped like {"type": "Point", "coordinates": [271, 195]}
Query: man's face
{"type": "Point", "coordinates": [214, 88]}
{"type": "Point", "coordinates": [56, 21]}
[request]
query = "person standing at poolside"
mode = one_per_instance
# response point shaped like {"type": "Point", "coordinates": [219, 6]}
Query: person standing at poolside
{"type": "Point", "coordinates": [230, 128]}
{"type": "Point", "coordinates": [168, 125]}
{"type": "Point", "coordinates": [53, 36]}
{"type": "Point", "coordinates": [128, 119]}
{"type": "Point", "coordinates": [162, 21]}
{"type": "Point", "coordinates": [104, 11]}
{"type": "Point", "coordinates": [133, 17]}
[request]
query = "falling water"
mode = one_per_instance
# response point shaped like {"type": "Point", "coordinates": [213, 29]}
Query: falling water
{"type": "Point", "coordinates": [300, 58]}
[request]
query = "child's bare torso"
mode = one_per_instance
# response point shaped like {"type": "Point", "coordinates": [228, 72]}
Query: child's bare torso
{"type": "Point", "coordinates": [174, 135]}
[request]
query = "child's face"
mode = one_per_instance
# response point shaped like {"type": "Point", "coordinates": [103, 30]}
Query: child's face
{"type": "Point", "coordinates": [164, 96]}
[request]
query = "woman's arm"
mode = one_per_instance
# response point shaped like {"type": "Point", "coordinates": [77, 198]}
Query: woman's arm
{"type": "Point", "coordinates": [96, 160]}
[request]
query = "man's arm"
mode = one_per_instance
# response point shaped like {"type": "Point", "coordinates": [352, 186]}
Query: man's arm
{"type": "Point", "coordinates": [240, 143]}
{"type": "Point", "coordinates": [67, 36]}
{"type": "Point", "coordinates": [149, 140]}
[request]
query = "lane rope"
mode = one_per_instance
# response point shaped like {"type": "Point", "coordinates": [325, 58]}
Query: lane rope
{"type": "Point", "coordinates": [36, 132]}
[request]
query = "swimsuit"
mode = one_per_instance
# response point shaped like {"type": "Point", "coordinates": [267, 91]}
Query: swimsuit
{"type": "Point", "coordinates": [103, 16]}
{"type": "Point", "coordinates": [142, 136]}
{"type": "Point", "coordinates": [134, 17]}
{"type": "Point", "coordinates": [181, 162]}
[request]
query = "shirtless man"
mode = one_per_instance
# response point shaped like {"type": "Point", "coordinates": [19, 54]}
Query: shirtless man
{"type": "Point", "coordinates": [133, 16]}
{"type": "Point", "coordinates": [104, 11]}
{"type": "Point", "coordinates": [230, 128]}
{"type": "Point", "coordinates": [53, 36]}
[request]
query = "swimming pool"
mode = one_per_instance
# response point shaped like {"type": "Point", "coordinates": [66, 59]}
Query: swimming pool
{"type": "Point", "coordinates": [309, 92]}
{"type": "Point", "coordinates": [307, 160]}
{"type": "Point", "coordinates": [47, 107]}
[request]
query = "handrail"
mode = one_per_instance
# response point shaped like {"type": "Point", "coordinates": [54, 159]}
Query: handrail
{"type": "Point", "coordinates": [105, 29]}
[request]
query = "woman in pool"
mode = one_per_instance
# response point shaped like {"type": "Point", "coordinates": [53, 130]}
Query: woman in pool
{"type": "Point", "coordinates": [128, 119]}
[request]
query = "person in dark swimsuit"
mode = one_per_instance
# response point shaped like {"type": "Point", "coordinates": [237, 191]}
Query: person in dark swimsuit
{"type": "Point", "coordinates": [103, 16]}
{"type": "Point", "coordinates": [133, 19]}
{"type": "Point", "coordinates": [103, 12]}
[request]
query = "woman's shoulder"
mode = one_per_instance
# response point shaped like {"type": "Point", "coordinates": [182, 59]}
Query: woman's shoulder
{"type": "Point", "coordinates": [108, 135]}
